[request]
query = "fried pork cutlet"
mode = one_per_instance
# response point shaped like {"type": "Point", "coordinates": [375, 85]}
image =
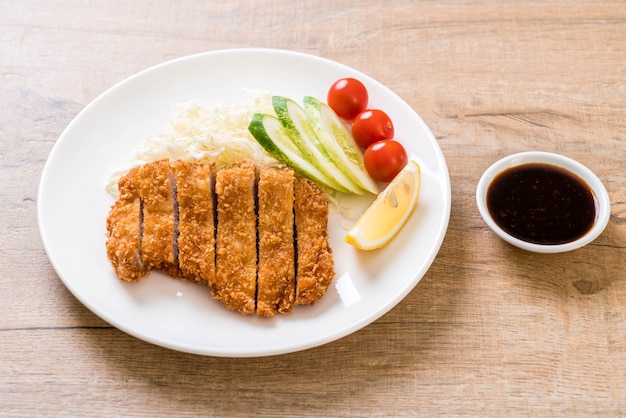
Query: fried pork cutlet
{"type": "Point", "coordinates": [276, 271]}
{"type": "Point", "coordinates": [124, 231]}
{"type": "Point", "coordinates": [158, 240]}
{"type": "Point", "coordinates": [196, 227]}
{"type": "Point", "coordinates": [261, 246]}
{"type": "Point", "coordinates": [315, 266]}
{"type": "Point", "coordinates": [236, 253]}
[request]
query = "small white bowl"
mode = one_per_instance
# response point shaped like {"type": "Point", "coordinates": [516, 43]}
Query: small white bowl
{"type": "Point", "coordinates": [603, 205]}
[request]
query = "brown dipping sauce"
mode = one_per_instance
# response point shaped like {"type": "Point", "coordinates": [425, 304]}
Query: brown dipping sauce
{"type": "Point", "coordinates": [541, 204]}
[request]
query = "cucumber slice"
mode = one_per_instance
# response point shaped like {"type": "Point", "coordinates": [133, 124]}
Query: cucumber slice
{"type": "Point", "coordinates": [272, 136]}
{"type": "Point", "coordinates": [299, 128]}
{"type": "Point", "coordinates": [338, 143]}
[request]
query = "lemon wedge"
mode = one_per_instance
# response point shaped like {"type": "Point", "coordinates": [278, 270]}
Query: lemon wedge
{"type": "Point", "coordinates": [382, 221]}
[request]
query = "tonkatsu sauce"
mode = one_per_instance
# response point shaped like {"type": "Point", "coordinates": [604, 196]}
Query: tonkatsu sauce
{"type": "Point", "coordinates": [541, 204]}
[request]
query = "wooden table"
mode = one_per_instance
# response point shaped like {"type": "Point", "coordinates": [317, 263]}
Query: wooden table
{"type": "Point", "coordinates": [490, 329]}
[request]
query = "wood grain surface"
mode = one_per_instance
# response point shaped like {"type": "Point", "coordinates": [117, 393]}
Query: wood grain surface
{"type": "Point", "coordinates": [489, 331]}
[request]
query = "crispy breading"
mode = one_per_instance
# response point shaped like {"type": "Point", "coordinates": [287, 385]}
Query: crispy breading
{"type": "Point", "coordinates": [236, 254]}
{"type": "Point", "coordinates": [261, 246]}
{"type": "Point", "coordinates": [196, 227]}
{"type": "Point", "coordinates": [124, 232]}
{"type": "Point", "coordinates": [276, 270]}
{"type": "Point", "coordinates": [157, 243]}
{"type": "Point", "coordinates": [315, 266]}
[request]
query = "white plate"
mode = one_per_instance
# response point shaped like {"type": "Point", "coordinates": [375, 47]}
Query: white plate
{"type": "Point", "coordinates": [73, 206]}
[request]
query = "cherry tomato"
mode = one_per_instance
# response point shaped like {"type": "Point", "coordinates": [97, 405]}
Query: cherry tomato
{"type": "Point", "coordinates": [384, 159]}
{"type": "Point", "coordinates": [370, 126]}
{"type": "Point", "coordinates": [347, 97]}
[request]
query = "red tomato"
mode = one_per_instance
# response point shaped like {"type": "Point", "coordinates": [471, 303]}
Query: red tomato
{"type": "Point", "coordinates": [370, 126]}
{"type": "Point", "coordinates": [347, 97]}
{"type": "Point", "coordinates": [384, 159]}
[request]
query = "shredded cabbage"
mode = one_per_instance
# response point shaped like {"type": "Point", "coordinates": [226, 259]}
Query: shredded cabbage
{"type": "Point", "coordinates": [217, 134]}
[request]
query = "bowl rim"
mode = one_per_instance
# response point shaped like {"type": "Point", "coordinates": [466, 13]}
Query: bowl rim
{"type": "Point", "coordinates": [601, 196]}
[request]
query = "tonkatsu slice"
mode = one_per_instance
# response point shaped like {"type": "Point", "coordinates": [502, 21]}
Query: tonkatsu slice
{"type": "Point", "coordinates": [124, 231]}
{"type": "Point", "coordinates": [158, 240]}
{"type": "Point", "coordinates": [236, 253]}
{"type": "Point", "coordinates": [276, 269]}
{"type": "Point", "coordinates": [196, 226]}
{"type": "Point", "coordinates": [315, 266]}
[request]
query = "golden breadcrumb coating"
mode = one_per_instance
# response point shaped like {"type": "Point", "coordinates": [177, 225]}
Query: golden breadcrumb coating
{"type": "Point", "coordinates": [276, 270]}
{"type": "Point", "coordinates": [257, 237]}
{"type": "Point", "coordinates": [157, 243]}
{"type": "Point", "coordinates": [196, 229]}
{"type": "Point", "coordinates": [123, 231]}
{"type": "Point", "coordinates": [315, 259]}
{"type": "Point", "coordinates": [236, 255]}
